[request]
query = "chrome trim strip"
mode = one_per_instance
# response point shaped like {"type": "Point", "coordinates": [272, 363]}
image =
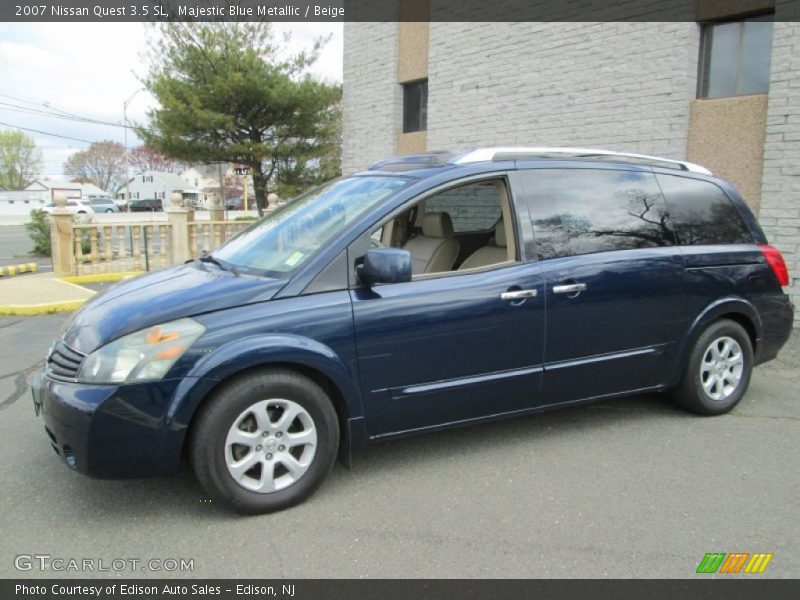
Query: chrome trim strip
{"type": "Point", "coordinates": [452, 383]}
{"type": "Point", "coordinates": [601, 358]}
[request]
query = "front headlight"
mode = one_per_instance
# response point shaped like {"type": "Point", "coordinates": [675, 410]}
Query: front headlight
{"type": "Point", "coordinates": [144, 355]}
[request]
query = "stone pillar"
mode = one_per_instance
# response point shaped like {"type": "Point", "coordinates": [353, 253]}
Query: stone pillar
{"type": "Point", "coordinates": [272, 201]}
{"type": "Point", "coordinates": [216, 211]}
{"type": "Point", "coordinates": [179, 218]}
{"type": "Point", "coordinates": [61, 240]}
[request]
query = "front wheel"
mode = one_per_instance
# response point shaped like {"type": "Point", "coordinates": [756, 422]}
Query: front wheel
{"type": "Point", "coordinates": [718, 371]}
{"type": "Point", "coordinates": [265, 442]}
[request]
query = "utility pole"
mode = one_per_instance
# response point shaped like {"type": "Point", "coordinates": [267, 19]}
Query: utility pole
{"type": "Point", "coordinates": [127, 165]}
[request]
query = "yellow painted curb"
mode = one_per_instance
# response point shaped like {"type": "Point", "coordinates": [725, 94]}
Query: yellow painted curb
{"type": "Point", "coordinates": [17, 269]}
{"type": "Point", "coordinates": [101, 277]}
{"type": "Point", "coordinates": [40, 309]}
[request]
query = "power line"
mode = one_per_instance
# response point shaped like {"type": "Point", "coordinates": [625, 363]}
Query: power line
{"type": "Point", "coordinates": [65, 137]}
{"type": "Point", "coordinates": [58, 114]}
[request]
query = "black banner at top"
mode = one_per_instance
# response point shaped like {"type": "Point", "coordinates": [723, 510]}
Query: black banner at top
{"type": "Point", "coordinates": [391, 10]}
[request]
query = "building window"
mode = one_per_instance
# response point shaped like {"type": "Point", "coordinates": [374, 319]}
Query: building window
{"type": "Point", "coordinates": [415, 106]}
{"type": "Point", "coordinates": [735, 58]}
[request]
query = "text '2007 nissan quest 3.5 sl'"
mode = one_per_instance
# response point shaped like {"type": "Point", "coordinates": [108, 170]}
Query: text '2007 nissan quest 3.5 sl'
{"type": "Point", "coordinates": [430, 291]}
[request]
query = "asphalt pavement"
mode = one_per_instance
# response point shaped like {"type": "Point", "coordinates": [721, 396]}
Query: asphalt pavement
{"type": "Point", "coordinates": [16, 248]}
{"type": "Point", "coordinates": [630, 488]}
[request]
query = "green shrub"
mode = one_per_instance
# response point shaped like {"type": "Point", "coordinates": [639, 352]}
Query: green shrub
{"type": "Point", "coordinates": [39, 231]}
{"type": "Point", "coordinates": [246, 218]}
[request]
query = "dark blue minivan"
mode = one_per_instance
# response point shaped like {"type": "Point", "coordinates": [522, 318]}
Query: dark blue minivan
{"type": "Point", "coordinates": [430, 291]}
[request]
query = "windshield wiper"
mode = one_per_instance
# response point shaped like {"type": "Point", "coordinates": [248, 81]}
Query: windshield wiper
{"type": "Point", "coordinates": [207, 257]}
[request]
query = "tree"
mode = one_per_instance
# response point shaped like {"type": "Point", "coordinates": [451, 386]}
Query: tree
{"type": "Point", "coordinates": [102, 163]}
{"type": "Point", "coordinates": [294, 174]}
{"type": "Point", "coordinates": [226, 94]}
{"type": "Point", "coordinates": [144, 158]}
{"type": "Point", "coordinates": [20, 159]}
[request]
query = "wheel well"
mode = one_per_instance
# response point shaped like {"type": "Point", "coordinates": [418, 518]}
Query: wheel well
{"type": "Point", "coordinates": [322, 380]}
{"type": "Point", "coordinates": [746, 323]}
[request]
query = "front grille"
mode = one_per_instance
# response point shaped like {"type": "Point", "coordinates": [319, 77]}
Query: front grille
{"type": "Point", "coordinates": [64, 362]}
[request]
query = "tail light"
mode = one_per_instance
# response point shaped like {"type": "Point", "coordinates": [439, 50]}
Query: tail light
{"type": "Point", "coordinates": [777, 263]}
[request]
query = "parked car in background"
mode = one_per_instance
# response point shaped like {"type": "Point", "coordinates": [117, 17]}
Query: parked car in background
{"type": "Point", "coordinates": [76, 207]}
{"type": "Point", "coordinates": [426, 292]}
{"type": "Point", "coordinates": [102, 204]}
{"type": "Point", "coordinates": [146, 205]}
{"type": "Point", "coordinates": [235, 204]}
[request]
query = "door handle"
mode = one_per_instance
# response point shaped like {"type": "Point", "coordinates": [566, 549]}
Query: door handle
{"type": "Point", "coordinates": [518, 295]}
{"type": "Point", "coordinates": [569, 288]}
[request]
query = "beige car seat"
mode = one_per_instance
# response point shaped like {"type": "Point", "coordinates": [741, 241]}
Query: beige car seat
{"type": "Point", "coordinates": [489, 255]}
{"type": "Point", "coordinates": [435, 250]}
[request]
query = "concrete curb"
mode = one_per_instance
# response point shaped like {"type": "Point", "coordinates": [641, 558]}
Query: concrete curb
{"type": "Point", "coordinates": [12, 270]}
{"type": "Point", "coordinates": [101, 277]}
{"type": "Point", "coordinates": [47, 308]}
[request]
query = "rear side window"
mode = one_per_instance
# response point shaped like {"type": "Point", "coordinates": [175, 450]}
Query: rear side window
{"type": "Point", "coordinates": [701, 213]}
{"type": "Point", "coordinates": [474, 207]}
{"type": "Point", "coordinates": [582, 211]}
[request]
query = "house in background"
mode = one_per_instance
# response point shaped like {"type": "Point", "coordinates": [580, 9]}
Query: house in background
{"type": "Point", "coordinates": [69, 189]}
{"type": "Point", "coordinates": [208, 186]}
{"type": "Point", "coordinates": [161, 186]}
{"type": "Point", "coordinates": [40, 193]}
{"type": "Point", "coordinates": [206, 178]}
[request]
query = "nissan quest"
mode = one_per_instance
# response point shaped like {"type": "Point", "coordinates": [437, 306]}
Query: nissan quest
{"type": "Point", "coordinates": [430, 291]}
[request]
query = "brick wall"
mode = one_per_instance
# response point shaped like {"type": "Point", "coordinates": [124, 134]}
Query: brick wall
{"type": "Point", "coordinates": [622, 86]}
{"type": "Point", "coordinates": [372, 100]}
{"type": "Point", "coordinates": [780, 190]}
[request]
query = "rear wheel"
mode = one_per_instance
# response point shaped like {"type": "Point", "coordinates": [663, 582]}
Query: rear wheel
{"type": "Point", "coordinates": [718, 372]}
{"type": "Point", "coordinates": [265, 442]}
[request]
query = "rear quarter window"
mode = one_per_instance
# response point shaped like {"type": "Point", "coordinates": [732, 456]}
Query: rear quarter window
{"type": "Point", "coordinates": [701, 213]}
{"type": "Point", "coordinates": [584, 211]}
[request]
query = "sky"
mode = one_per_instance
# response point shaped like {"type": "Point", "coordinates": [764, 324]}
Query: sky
{"type": "Point", "coordinates": [90, 69]}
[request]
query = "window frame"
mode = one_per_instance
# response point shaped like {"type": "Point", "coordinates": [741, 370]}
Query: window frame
{"type": "Point", "coordinates": [706, 40]}
{"type": "Point", "coordinates": [421, 119]}
{"type": "Point", "coordinates": [498, 176]}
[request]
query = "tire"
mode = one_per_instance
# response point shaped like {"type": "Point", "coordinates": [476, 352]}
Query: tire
{"type": "Point", "coordinates": [718, 371]}
{"type": "Point", "coordinates": [279, 462]}
{"type": "Point", "coordinates": [108, 210]}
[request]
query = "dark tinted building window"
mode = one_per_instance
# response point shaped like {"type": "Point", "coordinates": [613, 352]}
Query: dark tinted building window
{"type": "Point", "coordinates": [701, 213]}
{"type": "Point", "coordinates": [415, 106]}
{"type": "Point", "coordinates": [580, 211]}
{"type": "Point", "coordinates": [736, 58]}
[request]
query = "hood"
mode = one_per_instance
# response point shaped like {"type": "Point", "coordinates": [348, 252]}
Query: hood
{"type": "Point", "coordinates": [179, 291]}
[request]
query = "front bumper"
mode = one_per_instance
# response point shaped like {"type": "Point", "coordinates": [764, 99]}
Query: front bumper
{"type": "Point", "coordinates": [109, 431]}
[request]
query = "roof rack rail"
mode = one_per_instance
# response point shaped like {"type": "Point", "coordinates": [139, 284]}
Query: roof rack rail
{"type": "Point", "coordinates": [519, 153]}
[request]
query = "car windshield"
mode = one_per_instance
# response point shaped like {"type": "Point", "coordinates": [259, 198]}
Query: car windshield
{"type": "Point", "coordinates": [286, 238]}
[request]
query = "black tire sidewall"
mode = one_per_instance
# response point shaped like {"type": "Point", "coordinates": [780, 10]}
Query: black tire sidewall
{"type": "Point", "coordinates": [692, 396]}
{"type": "Point", "coordinates": [208, 445]}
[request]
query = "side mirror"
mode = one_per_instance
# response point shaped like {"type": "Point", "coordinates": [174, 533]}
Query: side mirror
{"type": "Point", "coordinates": [385, 265]}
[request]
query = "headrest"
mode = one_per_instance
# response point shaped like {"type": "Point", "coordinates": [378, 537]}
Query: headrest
{"type": "Point", "coordinates": [500, 234]}
{"type": "Point", "coordinates": [437, 225]}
